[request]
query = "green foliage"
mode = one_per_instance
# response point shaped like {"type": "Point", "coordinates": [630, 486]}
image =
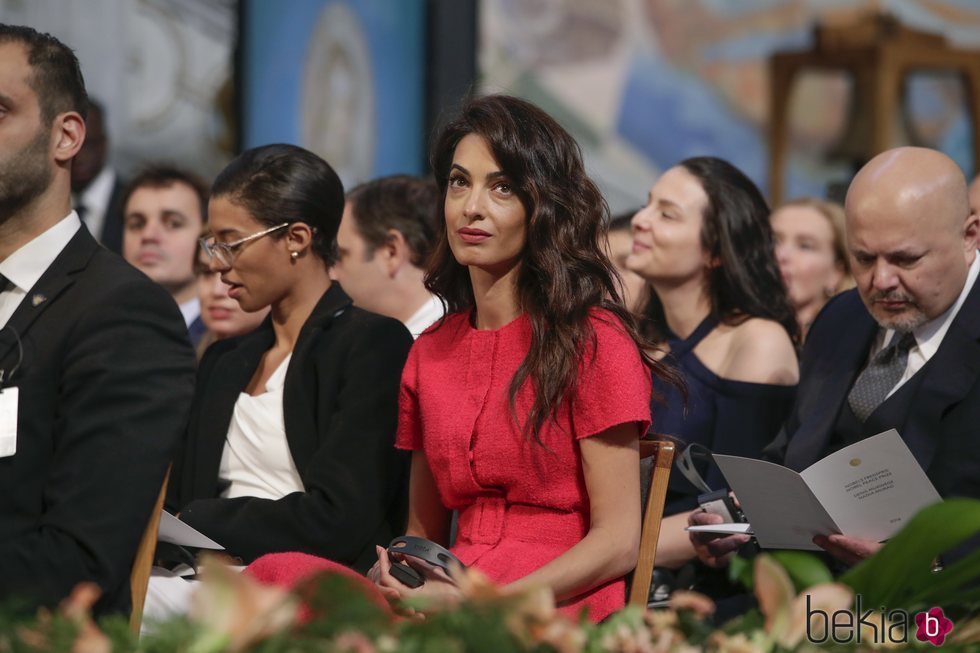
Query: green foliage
{"type": "Point", "coordinates": [477, 630]}
{"type": "Point", "coordinates": [900, 576]}
{"type": "Point", "coordinates": [336, 605]}
{"type": "Point", "coordinates": [740, 571]}
{"type": "Point", "coordinates": [805, 569]}
{"type": "Point", "coordinates": [168, 637]}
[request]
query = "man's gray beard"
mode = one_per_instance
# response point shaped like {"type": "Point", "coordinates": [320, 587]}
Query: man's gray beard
{"type": "Point", "coordinates": [904, 324]}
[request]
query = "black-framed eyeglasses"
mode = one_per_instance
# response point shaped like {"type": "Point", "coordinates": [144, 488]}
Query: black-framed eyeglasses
{"type": "Point", "coordinates": [224, 253]}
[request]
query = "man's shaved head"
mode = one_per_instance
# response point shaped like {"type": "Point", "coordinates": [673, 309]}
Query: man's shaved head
{"type": "Point", "coordinates": [911, 235]}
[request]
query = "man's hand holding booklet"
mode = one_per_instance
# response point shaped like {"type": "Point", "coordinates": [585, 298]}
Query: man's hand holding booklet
{"type": "Point", "coordinates": [867, 490]}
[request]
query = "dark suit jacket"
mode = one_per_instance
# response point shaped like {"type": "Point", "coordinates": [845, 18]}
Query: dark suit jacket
{"type": "Point", "coordinates": [340, 404]}
{"type": "Point", "coordinates": [942, 425]}
{"type": "Point", "coordinates": [105, 386]}
{"type": "Point", "coordinates": [112, 226]}
{"type": "Point", "coordinates": [196, 331]}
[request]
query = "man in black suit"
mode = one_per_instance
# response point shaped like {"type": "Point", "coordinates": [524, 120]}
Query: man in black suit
{"type": "Point", "coordinates": [95, 367]}
{"type": "Point", "coordinates": [97, 190]}
{"type": "Point", "coordinates": [900, 351]}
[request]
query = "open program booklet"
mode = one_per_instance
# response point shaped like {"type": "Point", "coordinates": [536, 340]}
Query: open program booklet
{"type": "Point", "coordinates": [867, 490]}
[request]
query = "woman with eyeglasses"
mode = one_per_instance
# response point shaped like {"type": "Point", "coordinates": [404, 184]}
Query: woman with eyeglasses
{"type": "Point", "coordinates": [290, 445]}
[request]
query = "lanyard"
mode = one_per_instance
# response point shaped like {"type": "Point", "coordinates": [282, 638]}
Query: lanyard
{"type": "Point", "coordinates": [685, 464]}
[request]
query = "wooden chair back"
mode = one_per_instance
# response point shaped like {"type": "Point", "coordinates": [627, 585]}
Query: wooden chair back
{"type": "Point", "coordinates": [661, 454]}
{"type": "Point", "coordinates": [139, 578]}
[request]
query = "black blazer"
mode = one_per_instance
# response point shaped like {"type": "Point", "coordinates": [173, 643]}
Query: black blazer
{"type": "Point", "coordinates": [112, 226]}
{"type": "Point", "coordinates": [105, 386]}
{"type": "Point", "coordinates": [942, 425]}
{"type": "Point", "coordinates": [340, 405]}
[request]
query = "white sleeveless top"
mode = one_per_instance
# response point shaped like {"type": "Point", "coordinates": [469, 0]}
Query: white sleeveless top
{"type": "Point", "coordinates": [256, 459]}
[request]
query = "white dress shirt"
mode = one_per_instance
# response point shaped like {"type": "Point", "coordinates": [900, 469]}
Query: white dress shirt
{"type": "Point", "coordinates": [190, 310]}
{"type": "Point", "coordinates": [425, 316]}
{"type": "Point", "coordinates": [95, 198]}
{"type": "Point", "coordinates": [256, 461]}
{"type": "Point", "coordinates": [930, 335]}
{"type": "Point", "coordinates": [24, 267]}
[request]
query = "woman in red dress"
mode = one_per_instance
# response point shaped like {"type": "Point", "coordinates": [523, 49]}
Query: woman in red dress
{"type": "Point", "coordinates": [523, 407]}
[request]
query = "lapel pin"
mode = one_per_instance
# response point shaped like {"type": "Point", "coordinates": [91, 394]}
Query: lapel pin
{"type": "Point", "coordinates": [38, 299]}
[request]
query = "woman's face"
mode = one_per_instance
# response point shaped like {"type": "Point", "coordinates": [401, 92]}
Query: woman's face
{"type": "Point", "coordinates": [221, 314]}
{"type": "Point", "coordinates": [805, 253]}
{"type": "Point", "coordinates": [259, 272]}
{"type": "Point", "coordinates": [667, 245]}
{"type": "Point", "coordinates": [620, 245]}
{"type": "Point", "coordinates": [485, 220]}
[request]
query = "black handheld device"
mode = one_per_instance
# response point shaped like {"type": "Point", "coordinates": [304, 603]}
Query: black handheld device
{"type": "Point", "coordinates": [719, 502]}
{"type": "Point", "coordinates": [425, 550]}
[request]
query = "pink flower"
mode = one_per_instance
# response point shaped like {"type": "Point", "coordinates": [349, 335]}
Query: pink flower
{"type": "Point", "coordinates": [77, 608]}
{"type": "Point", "coordinates": [354, 642]}
{"type": "Point", "coordinates": [696, 602]}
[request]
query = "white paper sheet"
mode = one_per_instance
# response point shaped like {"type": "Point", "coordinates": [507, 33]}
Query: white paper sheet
{"type": "Point", "coordinates": [729, 528]}
{"type": "Point", "coordinates": [866, 490]}
{"type": "Point", "coordinates": [174, 531]}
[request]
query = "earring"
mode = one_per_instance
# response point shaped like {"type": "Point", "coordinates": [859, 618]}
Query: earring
{"type": "Point", "coordinates": [294, 255]}
{"type": "Point", "coordinates": [829, 292]}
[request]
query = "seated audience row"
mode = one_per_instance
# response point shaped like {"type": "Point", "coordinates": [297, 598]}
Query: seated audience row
{"type": "Point", "coordinates": [522, 406]}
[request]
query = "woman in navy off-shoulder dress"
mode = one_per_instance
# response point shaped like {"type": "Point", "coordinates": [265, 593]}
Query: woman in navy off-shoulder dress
{"type": "Point", "coordinates": [719, 309]}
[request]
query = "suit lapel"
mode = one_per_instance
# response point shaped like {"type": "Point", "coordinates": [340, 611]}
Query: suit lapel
{"type": "Point", "coordinates": [299, 393]}
{"type": "Point", "coordinates": [948, 377]}
{"type": "Point", "coordinates": [838, 371]}
{"type": "Point", "coordinates": [55, 280]}
{"type": "Point", "coordinates": [227, 380]}
{"type": "Point", "coordinates": [112, 228]}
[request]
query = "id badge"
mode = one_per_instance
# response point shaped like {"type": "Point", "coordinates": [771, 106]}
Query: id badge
{"type": "Point", "coordinates": [8, 422]}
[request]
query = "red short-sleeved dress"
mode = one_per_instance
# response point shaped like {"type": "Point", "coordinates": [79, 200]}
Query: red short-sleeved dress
{"type": "Point", "coordinates": [520, 504]}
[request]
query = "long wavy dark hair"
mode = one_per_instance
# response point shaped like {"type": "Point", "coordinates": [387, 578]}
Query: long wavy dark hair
{"type": "Point", "coordinates": [564, 270]}
{"type": "Point", "coordinates": [735, 232]}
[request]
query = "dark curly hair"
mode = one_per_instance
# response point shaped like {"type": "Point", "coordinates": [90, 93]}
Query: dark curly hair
{"type": "Point", "coordinates": [564, 270]}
